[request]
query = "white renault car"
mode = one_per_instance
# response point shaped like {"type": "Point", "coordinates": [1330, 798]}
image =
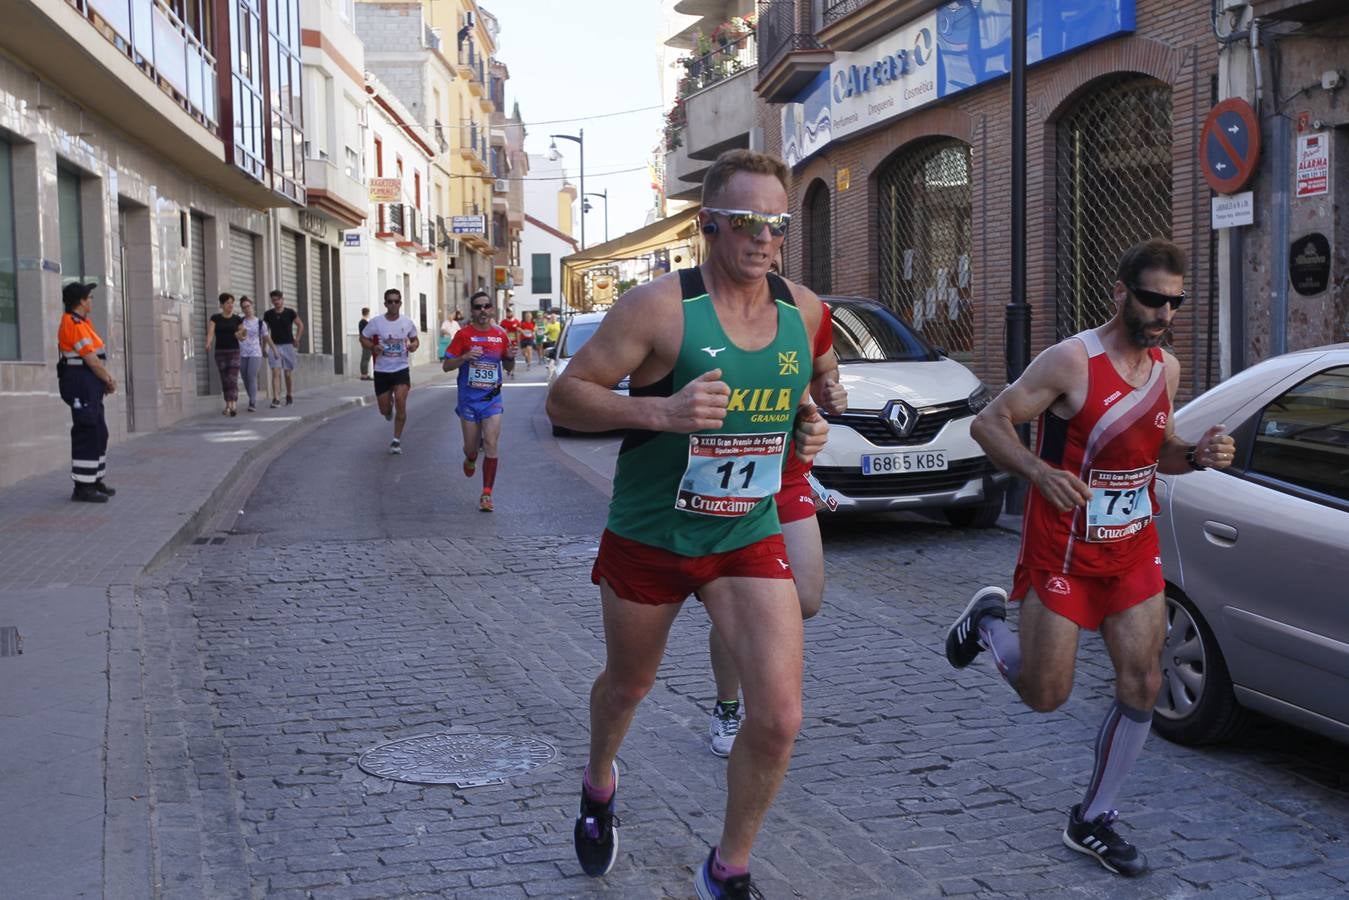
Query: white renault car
{"type": "Point", "coordinates": [904, 442]}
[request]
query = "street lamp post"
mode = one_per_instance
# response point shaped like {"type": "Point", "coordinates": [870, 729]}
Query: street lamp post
{"type": "Point", "coordinates": [585, 208]}
{"type": "Point", "coordinates": [554, 154]}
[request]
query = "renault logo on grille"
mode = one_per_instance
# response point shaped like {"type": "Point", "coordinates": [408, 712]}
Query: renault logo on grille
{"type": "Point", "coordinates": [901, 417]}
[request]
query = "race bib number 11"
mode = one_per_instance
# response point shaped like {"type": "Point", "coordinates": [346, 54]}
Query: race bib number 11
{"type": "Point", "coordinates": [728, 474]}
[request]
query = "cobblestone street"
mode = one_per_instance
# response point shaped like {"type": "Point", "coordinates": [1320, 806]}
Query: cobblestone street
{"type": "Point", "coordinates": [273, 661]}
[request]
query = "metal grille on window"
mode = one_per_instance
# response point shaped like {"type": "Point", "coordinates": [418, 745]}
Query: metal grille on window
{"type": "Point", "coordinates": [318, 297]}
{"type": "Point", "coordinates": [1113, 190]}
{"type": "Point", "coordinates": [925, 272]}
{"type": "Point", "coordinates": [292, 250]}
{"type": "Point", "coordinates": [819, 249]}
{"type": "Point", "coordinates": [201, 304]}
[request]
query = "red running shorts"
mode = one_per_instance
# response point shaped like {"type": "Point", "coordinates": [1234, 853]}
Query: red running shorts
{"type": "Point", "coordinates": [1087, 600]}
{"type": "Point", "coordinates": [645, 574]}
{"type": "Point", "coordinates": [795, 501]}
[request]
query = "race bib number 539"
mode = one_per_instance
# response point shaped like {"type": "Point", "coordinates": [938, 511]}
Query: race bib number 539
{"type": "Point", "coordinates": [1120, 505]}
{"type": "Point", "coordinates": [728, 474]}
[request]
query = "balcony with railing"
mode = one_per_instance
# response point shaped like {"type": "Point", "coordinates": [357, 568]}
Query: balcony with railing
{"type": "Point", "coordinates": [391, 224]}
{"type": "Point", "coordinates": [467, 60]}
{"type": "Point", "coordinates": [849, 24]}
{"type": "Point", "coordinates": [789, 58]}
{"type": "Point", "coordinates": [717, 93]}
{"type": "Point", "coordinates": [330, 189]}
{"type": "Point", "coordinates": [477, 82]}
{"type": "Point", "coordinates": [410, 236]}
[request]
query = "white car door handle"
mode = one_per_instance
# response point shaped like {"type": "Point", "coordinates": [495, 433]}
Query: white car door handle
{"type": "Point", "coordinates": [1218, 533]}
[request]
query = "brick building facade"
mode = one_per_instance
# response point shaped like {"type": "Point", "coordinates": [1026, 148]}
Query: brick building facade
{"type": "Point", "coordinates": [914, 210]}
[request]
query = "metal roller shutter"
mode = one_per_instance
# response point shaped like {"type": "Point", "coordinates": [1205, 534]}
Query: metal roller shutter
{"type": "Point", "coordinates": [201, 305]}
{"type": "Point", "coordinates": [243, 265]}
{"type": "Point", "coordinates": [290, 269]}
{"type": "Point", "coordinates": [318, 296]}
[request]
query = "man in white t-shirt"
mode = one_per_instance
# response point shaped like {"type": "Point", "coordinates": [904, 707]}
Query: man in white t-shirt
{"type": "Point", "coordinates": [390, 338]}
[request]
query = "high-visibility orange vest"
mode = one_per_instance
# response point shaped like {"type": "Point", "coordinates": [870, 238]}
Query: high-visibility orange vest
{"type": "Point", "coordinates": [77, 339]}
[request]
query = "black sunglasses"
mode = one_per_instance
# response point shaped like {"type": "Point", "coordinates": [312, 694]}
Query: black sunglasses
{"type": "Point", "coordinates": [477, 306]}
{"type": "Point", "coordinates": [390, 302]}
{"type": "Point", "coordinates": [1154, 300]}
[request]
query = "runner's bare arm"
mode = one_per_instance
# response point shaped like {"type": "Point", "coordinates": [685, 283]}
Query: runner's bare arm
{"type": "Point", "coordinates": [640, 337]}
{"type": "Point", "coordinates": [1048, 378]}
{"type": "Point", "coordinates": [1215, 449]}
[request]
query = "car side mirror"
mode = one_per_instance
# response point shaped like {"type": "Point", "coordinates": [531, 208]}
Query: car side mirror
{"type": "Point", "coordinates": [551, 353]}
{"type": "Point", "coordinates": [941, 352]}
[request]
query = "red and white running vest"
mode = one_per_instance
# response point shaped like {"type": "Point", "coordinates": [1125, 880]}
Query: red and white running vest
{"type": "Point", "coordinates": [1112, 444]}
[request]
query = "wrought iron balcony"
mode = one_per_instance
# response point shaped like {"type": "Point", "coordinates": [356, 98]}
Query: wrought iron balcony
{"type": "Point", "coordinates": [837, 10]}
{"type": "Point", "coordinates": [731, 58]}
{"type": "Point", "coordinates": [788, 58]}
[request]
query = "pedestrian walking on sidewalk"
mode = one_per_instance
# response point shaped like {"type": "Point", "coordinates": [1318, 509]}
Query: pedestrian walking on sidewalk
{"type": "Point", "coordinates": [255, 341]}
{"type": "Point", "coordinates": [709, 424]}
{"type": "Point", "coordinates": [796, 504]}
{"type": "Point", "coordinates": [84, 380]}
{"type": "Point", "coordinates": [365, 351]}
{"type": "Point", "coordinates": [1090, 556]}
{"type": "Point", "coordinates": [478, 351]}
{"type": "Point", "coordinates": [287, 330]}
{"type": "Point", "coordinates": [222, 338]}
{"type": "Point", "coordinates": [391, 338]}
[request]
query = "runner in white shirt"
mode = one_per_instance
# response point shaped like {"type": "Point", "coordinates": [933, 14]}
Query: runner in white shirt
{"type": "Point", "coordinates": [390, 338]}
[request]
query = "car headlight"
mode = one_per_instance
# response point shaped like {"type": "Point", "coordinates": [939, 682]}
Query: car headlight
{"type": "Point", "coordinates": [980, 398]}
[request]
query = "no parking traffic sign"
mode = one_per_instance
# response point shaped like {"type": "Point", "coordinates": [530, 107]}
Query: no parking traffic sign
{"type": "Point", "coordinates": [1229, 146]}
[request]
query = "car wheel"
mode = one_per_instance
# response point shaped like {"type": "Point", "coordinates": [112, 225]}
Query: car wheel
{"type": "Point", "coordinates": [984, 515]}
{"type": "Point", "coordinates": [1196, 704]}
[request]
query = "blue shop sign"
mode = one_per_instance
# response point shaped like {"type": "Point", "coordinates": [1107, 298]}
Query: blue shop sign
{"type": "Point", "coordinates": [958, 46]}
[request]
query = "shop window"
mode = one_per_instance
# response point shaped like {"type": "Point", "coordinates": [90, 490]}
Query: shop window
{"type": "Point", "coordinates": [1303, 436]}
{"type": "Point", "coordinates": [1112, 190]}
{"type": "Point", "coordinates": [926, 277]}
{"type": "Point", "coordinates": [819, 274]}
{"type": "Point", "coordinates": [71, 224]}
{"type": "Point", "coordinates": [9, 254]}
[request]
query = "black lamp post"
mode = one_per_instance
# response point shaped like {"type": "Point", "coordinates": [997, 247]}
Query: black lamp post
{"type": "Point", "coordinates": [585, 208]}
{"type": "Point", "coordinates": [554, 154]}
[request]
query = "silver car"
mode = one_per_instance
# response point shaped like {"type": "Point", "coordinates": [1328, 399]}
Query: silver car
{"type": "Point", "coordinates": [1256, 557]}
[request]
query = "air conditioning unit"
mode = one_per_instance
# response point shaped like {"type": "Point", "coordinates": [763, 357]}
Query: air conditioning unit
{"type": "Point", "coordinates": [501, 186]}
{"type": "Point", "coordinates": [469, 19]}
{"type": "Point", "coordinates": [449, 245]}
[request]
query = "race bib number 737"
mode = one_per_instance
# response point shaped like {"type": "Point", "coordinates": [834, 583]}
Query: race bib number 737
{"type": "Point", "coordinates": [1120, 505]}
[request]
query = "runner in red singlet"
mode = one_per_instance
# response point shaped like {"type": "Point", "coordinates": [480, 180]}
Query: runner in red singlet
{"type": "Point", "coordinates": [1089, 552]}
{"type": "Point", "coordinates": [796, 505]}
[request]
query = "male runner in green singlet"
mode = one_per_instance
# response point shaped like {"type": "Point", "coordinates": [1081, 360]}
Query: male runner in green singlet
{"type": "Point", "coordinates": [720, 364]}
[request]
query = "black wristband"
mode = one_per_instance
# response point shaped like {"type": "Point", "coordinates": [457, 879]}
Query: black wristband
{"type": "Point", "coordinates": [1192, 461]}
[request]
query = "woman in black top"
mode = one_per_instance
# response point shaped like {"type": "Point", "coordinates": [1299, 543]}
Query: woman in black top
{"type": "Point", "coordinates": [222, 334]}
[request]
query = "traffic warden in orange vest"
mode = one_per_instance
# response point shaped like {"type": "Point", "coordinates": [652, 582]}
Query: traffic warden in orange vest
{"type": "Point", "coordinates": [84, 379]}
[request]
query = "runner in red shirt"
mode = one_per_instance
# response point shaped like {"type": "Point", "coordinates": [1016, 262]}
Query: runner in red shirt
{"type": "Point", "coordinates": [1089, 550]}
{"type": "Point", "coordinates": [528, 329]}
{"type": "Point", "coordinates": [478, 350]}
{"type": "Point", "coordinates": [796, 502]}
{"type": "Point", "coordinates": [511, 325]}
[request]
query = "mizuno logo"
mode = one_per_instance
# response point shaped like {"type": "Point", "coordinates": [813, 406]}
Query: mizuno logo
{"type": "Point", "coordinates": [711, 352]}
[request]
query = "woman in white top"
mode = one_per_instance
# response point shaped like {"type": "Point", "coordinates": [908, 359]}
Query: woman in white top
{"type": "Point", "coordinates": [255, 338]}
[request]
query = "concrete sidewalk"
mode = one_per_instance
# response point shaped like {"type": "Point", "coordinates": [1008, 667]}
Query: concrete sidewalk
{"type": "Point", "coordinates": [72, 722]}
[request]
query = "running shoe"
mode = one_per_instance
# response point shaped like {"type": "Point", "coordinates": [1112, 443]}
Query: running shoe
{"type": "Point", "coordinates": [596, 834]}
{"type": "Point", "coordinates": [388, 416]}
{"type": "Point", "coordinates": [1099, 839]}
{"type": "Point", "coordinates": [962, 638]}
{"type": "Point", "coordinates": [485, 503]}
{"type": "Point", "coordinates": [710, 888]}
{"type": "Point", "coordinates": [396, 447]}
{"type": "Point", "coordinates": [289, 399]}
{"type": "Point", "coordinates": [723, 728]}
{"type": "Point", "coordinates": [470, 466]}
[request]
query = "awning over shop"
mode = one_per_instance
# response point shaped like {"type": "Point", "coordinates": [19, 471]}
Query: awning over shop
{"type": "Point", "coordinates": [677, 230]}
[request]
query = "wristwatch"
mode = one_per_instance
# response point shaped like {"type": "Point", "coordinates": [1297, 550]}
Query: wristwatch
{"type": "Point", "coordinates": [1191, 461]}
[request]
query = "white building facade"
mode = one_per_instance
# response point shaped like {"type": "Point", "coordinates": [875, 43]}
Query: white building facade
{"type": "Point", "coordinates": [546, 236]}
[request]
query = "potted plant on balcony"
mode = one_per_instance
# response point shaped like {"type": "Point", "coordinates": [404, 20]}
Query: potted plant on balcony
{"type": "Point", "coordinates": [675, 120]}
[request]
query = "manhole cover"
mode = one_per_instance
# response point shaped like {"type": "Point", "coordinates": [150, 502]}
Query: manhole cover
{"type": "Point", "coordinates": [463, 760]}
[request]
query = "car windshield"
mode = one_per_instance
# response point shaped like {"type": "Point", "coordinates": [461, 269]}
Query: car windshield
{"type": "Point", "coordinates": [865, 333]}
{"type": "Point", "coordinates": [577, 334]}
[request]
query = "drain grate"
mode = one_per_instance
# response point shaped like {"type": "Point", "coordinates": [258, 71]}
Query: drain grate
{"type": "Point", "coordinates": [11, 644]}
{"type": "Point", "coordinates": [463, 760]}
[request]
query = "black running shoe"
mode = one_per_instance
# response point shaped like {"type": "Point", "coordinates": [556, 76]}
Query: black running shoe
{"type": "Point", "coordinates": [1098, 839]}
{"type": "Point", "coordinates": [596, 835]}
{"type": "Point", "coordinates": [711, 888]}
{"type": "Point", "coordinates": [962, 638]}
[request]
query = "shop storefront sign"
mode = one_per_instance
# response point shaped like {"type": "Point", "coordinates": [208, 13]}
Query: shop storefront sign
{"type": "Point", "coordinates": [1230, 212]}
{"type": "Point", "coordinates": [1309, 264]}
{"type": "Point", "coordinates": [314, 224]}
{"type": "Point", "coordinates": [951, 49]}
{"type": "Point", "coordinates": [1313, 165]}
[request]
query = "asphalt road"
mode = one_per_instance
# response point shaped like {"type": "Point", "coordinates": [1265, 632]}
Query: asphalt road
{"type": "Point", "coordinates": [362, 598]}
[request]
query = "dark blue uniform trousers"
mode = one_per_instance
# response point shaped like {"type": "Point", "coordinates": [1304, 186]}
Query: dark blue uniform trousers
{"type": "Point", "coordinates": [83, 393]}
